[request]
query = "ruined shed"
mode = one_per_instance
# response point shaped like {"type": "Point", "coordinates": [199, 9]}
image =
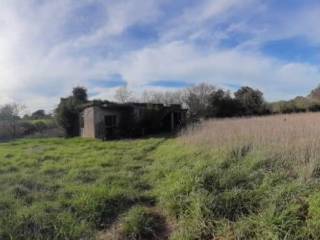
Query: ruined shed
{"type": "Point", "coordinates": [109, 120]}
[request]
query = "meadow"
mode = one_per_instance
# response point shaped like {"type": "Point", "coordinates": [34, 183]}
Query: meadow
{"type": "Point", "coordinates": [250, 178]}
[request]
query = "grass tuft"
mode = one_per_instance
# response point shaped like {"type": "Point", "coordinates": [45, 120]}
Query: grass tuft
{"type": "Point", "coordinates": [139, 223]}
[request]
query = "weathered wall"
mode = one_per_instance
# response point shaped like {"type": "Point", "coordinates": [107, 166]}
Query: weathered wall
{"type": "Point", "coordinates": [88, 130]}
{"type": "Point", "coordinates": [99, 121]}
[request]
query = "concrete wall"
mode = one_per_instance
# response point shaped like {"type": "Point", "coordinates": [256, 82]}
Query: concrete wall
{"type": "Point", "coordinates": [99, 116]}
{"type": "Point", "coordinates": [88, 130]}
{"type": "Point", "coordinates": [94, 123]}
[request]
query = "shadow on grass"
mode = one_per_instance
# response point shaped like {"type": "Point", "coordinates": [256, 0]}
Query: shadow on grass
{"type": "Point", "coordinates": [110, 210]}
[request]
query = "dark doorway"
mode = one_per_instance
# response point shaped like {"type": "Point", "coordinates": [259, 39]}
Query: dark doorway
{"type": "Point", "coordinates": [172, 121]}
{"type": "Point", "coordinates": [110, 125]}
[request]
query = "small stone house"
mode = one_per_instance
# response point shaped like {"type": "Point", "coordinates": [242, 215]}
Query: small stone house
{"type": "Point", "coordinates": [109, 120]}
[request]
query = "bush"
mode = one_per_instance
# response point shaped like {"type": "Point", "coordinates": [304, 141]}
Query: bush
{"type": "Point", "coordinates": [40, 126]}
{"type": "Point", "coordinates": [67, 112]}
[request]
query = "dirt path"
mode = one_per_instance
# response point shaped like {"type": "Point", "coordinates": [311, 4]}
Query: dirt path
{"type": "Point", "coordinates": [166, 226]}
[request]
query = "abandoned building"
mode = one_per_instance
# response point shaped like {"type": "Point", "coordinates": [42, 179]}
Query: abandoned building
{"type": "Point", "coordinates": [109, 120]}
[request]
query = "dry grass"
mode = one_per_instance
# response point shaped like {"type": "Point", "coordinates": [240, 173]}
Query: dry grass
{"type": "Point", "coordinates": [294, 139]}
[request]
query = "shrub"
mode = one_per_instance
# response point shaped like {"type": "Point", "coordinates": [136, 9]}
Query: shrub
{"type": "Point", "coordinates": [67, 112]}
{"type": "Point", "coordinates": [40, 126]}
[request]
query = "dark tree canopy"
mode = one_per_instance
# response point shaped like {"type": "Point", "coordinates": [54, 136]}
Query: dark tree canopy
{"type": "Point", "coordinates": [67, 112]}
{"type": "Point", "coordinates": [206, 101]}
{"type": "Point", "coordinates": [80, 94]}
{"type": "Point", "coordinates": [39, 114]}
{"type": "Point", "coordinates": [221, 104]}
{"type": "Point", "coordinates": [251, 101]}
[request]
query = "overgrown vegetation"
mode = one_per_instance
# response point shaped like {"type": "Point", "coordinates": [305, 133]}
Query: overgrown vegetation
{"type": "Point", "coordinates": [68, 110]}
{"type": "Point", "coordinates": [38, 124]}
{"type": "Point", "coordinates": [204, 185]}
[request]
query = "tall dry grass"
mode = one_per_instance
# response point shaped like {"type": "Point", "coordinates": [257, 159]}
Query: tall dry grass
{"type": "Point", "coordinates": [293, 139]}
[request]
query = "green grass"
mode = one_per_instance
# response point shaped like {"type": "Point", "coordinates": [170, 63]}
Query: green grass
{"type": "Point", "coordinates": [139, 223]}
{"type": "Point", "coordinates": [72, 189]}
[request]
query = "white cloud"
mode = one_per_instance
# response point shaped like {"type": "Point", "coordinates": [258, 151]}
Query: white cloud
{"type": "Point", "coordinates": [39, 61]}
{"type": "Point", "coordinates": [180, 61]}
{"type": "Point", "coordinates": [273, 24]}
{"type": "Point", "coordinates": [197, 21]}
{"type": "Point", "coordinates": [119, 16]}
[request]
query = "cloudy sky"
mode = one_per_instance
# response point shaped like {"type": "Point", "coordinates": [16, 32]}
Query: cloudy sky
{"type": "Point", "coordinates": [47, 47]}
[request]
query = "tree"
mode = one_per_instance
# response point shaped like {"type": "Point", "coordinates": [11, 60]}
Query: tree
{"type": "Point", "coordinates": [166, 98]}
{"type": "Point", "coordinates": [40, 126]}
{"type": "Point", "coordinates": [68, 110]}
{"type": "Point", "coordinates": [196, 99]}
{"type": "Point", "coordinates": [39, 114]}
{"type": "Point", "coordinates": [221, 104]}
{"type": "Point", "coordinates": [150, 96]}
{"type": "Point", "coordinates": [9, 118]}
{"type": "Point", "coordinates": [123, 95]}
{"type": "Point", "coordinates": [67, 116]}
{"type": "Point", "coordinates": [80, 94]}
{"type": "Point", "coordinates": [251, 101]}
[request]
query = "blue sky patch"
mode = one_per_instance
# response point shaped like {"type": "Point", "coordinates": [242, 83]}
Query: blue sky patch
{"type": "Point", "coordinates": [113, 81]}
{"type": "Point", "coordinates": [293, 49]}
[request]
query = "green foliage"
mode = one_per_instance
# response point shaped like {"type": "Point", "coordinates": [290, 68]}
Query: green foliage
{"type": "Point", "coordinates": [67, 112]}
{"type": "Point", "coordinates": [250, 101]}
{"type": "Point", "coordinates": [39, 114]}
{"type": "Point", "coordinates": [67, 116]}
{"type": "Point", "coordinates": [221, 104]}
{"type": "Point", "coordinates": [40, 126]}
{"type": "Point", "coordinates": [205, 101]}
{"type": "Point", "coordinates": [299, 104]}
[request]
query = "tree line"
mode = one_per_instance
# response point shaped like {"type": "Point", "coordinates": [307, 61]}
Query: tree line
{"type": "Point", "coordinates": [207, 101]}
{"type": "Point", "coordinates": [203, 101]}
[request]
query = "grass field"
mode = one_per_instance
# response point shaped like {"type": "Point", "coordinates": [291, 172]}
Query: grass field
{"type": "Point", "coordinates": [252, 178]}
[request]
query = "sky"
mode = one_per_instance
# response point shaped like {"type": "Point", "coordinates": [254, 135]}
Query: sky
{"type": "Point", "coordinates": [48, 47]}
